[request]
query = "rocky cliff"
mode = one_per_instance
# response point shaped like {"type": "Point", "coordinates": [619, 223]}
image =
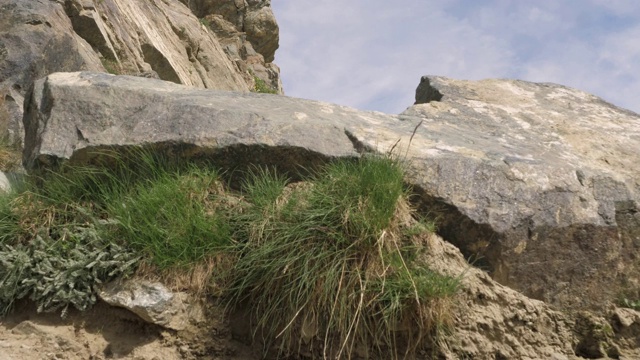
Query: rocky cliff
{"type": "Point", "coordinates": [222, 45]}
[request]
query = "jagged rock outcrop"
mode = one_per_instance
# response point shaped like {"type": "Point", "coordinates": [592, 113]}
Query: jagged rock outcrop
{"type": "Point", "coordinates": [154, 38]}
{"type": "Point", "coordinates": [495, 322]}
{"type": "Point", "coordinates": [540, 180]}
{"type": "Point", "coordinates": [252, 17]}
{"type": "Point", "coordinates": [248, 32]}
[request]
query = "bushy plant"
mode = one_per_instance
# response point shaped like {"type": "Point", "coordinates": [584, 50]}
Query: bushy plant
{"type": "Point", "coordinates": [631, 304]}
{"type": "Point", "coordinates": [111, 66]}
{"type": "Point", "coordinates": [135, 201]}
{"type": "Point", "coordinates": [331, 262]}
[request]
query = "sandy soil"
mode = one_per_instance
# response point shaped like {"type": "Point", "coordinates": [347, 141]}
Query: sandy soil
{"type": "Point", "coordinates": [106, 332]}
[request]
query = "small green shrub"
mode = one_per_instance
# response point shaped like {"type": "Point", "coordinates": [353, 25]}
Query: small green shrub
{"type": "Point", "coordinates": [135, 201]}
{"type": "Point", "coordinates": [631, 304]}
{"type": "Point", "coordinates": [328, 260]}
{"type": "Point", "coordinates": [260, 86]}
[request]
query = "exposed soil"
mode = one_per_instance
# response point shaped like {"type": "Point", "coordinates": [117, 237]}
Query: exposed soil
{"type": "Point", "coordinates": [106, 332]}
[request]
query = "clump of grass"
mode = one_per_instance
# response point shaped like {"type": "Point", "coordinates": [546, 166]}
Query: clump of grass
{"type": "Point", "coordinates": [141, 202]}
{"type": "Point", "coordinates": [330, 262]}
{"type": "Point", "coordinates": [631, 304]}
{"type": "Point", "coordinates": [204, 21]}
{"type": "Point", "coordinates": [174, 218]}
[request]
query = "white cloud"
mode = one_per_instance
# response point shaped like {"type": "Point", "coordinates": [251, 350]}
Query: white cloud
{"type": "Point", "coordinates": [371, 54]}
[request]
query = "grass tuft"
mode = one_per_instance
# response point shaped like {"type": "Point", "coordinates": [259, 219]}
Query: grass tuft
{"type": "Point", "coordinates": [138, 201]}
{"type": "Point", "coordinates": [326, 261]}
{"type": "Point", "coordinates": [174, 218]}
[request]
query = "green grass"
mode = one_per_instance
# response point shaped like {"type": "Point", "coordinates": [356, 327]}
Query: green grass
{"type": "Point", "coordinates": [330, 263]}
{"type": "Point", "coordinates": [327, 261]}
{"type": "Point", "coordinates": [138, 202]}
{"type": "Point", "coordinates": [631, 304]}
{"type": "Point", "coordinates": [10, 229]}
{"type": "Point", "coordinates": [50, 250]}
{"type": "Point", "coordinates": [205, 22]}
{"type": "Point", "coordinates": [174, 219]}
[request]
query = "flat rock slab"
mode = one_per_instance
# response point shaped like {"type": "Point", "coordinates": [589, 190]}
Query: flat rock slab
{"type": "Point", "coordinates": [539, 182]}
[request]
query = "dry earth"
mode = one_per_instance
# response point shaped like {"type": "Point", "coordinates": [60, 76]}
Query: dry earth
{"type": "Point", "coordinates": [106, 332]}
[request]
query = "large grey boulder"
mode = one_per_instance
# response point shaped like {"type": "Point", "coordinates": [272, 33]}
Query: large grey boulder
{"type": "Point", "coordinates": [102, 110]}
{"type": "Point", "coordinates": [538, 182]}
{"type": "Point", "coordinates": [546, 181]}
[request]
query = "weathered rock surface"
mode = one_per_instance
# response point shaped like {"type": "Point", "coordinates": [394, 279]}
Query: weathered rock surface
{"type": "Point", "coordinates": [100, 333]}
{"type": "Point", "coordinates": [153, 303]}
{"type": "Point", "coordinates": [252, 17]}
{"type": "Point", "coordinates": [154, 38]}
{"type": "Point", "coordinates": [235, 128]}
{"type": "Point", "coordinates": [158, 37]}
{"type": "Point", "coordinates": [546, 180]}
{"type": "Point", "coordinates": [540, 180]}
{"type": "Point", "coordinates": [495, 322]}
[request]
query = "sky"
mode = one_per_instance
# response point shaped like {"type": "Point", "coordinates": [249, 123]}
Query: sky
{"type": "Point", "coordinates": [370, 54]}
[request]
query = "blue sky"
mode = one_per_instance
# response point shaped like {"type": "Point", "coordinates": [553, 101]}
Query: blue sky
{"type": "Point", "coordinates": [370, 54]}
